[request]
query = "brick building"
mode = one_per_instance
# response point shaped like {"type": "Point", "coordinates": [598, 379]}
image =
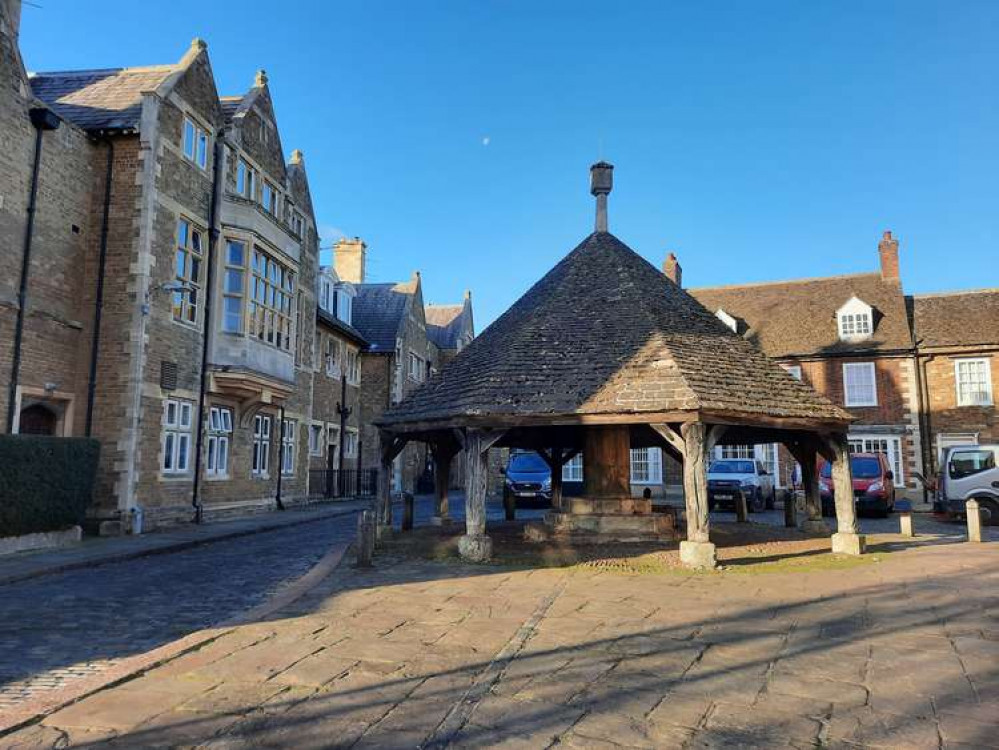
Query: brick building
{"type": "Point", "coordinates": [169, 299]}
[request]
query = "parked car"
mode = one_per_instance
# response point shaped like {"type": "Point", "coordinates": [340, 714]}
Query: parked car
{"type": "Point", "coordinates": [731, 478]}
{"type": "Point", "coordinates": [969, 471]}
{"type": "Point", "coordinates": [527, 478]}
{"type": "Point", "coordinates": [873, 485]}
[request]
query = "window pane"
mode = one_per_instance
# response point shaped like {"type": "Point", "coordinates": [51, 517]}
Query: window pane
{"type": "Point", "coordinates": [189, 139]}
{"type": "Point", "coordinates": [171, 413]}
{"type": "Point", "coordinates": [234, 281]}
{"type": "Point", "coordinates": [183, 230]}
{"type": "Point", "coordinates": [236, 253]}
{"type": "Point", "coordinates": [182, 445]}
{"type": "Point", "coordinates": [211, 454]}
{"type": "Point", "coordinates": [181, 265]}
{"type": "Point", "coordinates": [202, 149]}
{"type": "Point", "coordinates": [168, 451]}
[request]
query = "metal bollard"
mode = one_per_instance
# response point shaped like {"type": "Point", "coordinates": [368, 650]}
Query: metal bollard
{"type": "Point", "coordinates": [741, 509]}
{"type": "Point", "coordinates": [407, 511]}
{"type": "Point", "coordinates": [974, 520]}
{"type": "Point", "coordinates": [365, 538]}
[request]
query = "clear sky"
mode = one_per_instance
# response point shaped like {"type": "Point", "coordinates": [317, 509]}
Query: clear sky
{"type": "Point", "coordinates": [759, 140]}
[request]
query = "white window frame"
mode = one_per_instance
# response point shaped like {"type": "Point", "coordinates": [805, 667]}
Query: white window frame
{"type": "Point", "coordinates": [332, 356]}
{"type": "Point", "coordinates": [793, 370]}
{"type": "Point", "coordinates": [353, 365]}
{"type": "Point", "coordinates": [646, 466]}
{"type": "Point", "coordinates": [261, 456]}
{"type": "Point", "coordinates": [415, 368]}
{"type": "Point", "coordinates": [219, 443]}
{"type": "Point", "coordinates": [289, 444]}
{"type": "Point", "coordinates": [195, 142]}
{"type": "Point", "coordinates": [966, 398]}
{"type": "Point", "coordinates": [741, 452]}
{"type": "Point", "coordinates": [890, 445]}
{"type": "Point", "coordinates": [316, 439]}
{"type": "Point", "coordinates": [860, 367]}
{"type": "Point", "coordinates": [189, 261]}
{"type": "Point", "coordinates": [572, 470]}
{"type": "Point", "coordinates": [234, 285]}
{"type": "Point", "coordinates": [178, 418]}
{"type": "Point", "coordinates": [350, 442]}
{"type": "Point", "coordinates": [855, 320]}
{"type": "Point", "coordinates": [333, 438]}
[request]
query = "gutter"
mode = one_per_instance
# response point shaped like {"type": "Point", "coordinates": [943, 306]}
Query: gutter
{"type": "Point", "coordinates": [42, 119]}
{"type": "Point", "coordinates": [99, 296]}
{"type": "Point", "coordinates": [213, 239]}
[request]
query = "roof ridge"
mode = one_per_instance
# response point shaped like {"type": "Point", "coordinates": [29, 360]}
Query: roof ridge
{"type": "Point", "coordinates": [806, 280]}
{"type": "Point", "coordinates": [956, 293]}
{"type": "Point", "coordinates": [91, 71]}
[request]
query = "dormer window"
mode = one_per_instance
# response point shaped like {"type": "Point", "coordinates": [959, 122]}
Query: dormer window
{"type": "Point", "coordinates": [855, 320]}
{"type": "Point", "coordinates": [727, 319]}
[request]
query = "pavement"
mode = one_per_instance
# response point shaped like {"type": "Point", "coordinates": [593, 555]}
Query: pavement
{"type": "Point", "coordinates": [900, 653]}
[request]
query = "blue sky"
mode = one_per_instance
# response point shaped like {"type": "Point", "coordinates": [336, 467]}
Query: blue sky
{"type": "Point", "coordinates": [758, 140]}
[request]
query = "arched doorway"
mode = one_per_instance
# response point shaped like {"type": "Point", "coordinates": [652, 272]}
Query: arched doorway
{"type": "Point", "coordinates": [38, 419]}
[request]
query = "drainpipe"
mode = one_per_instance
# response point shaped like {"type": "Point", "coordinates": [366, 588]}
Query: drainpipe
{"type": "Point", "coordinates": [213, 239]}
{"type": "Point", "coordinates": [42, 119]}
{"type": "Point", "coordinates": [99, 296]}
{"type": "Point", "coordinates": [280, 467]}
{"type": "Point", "coordinates": [343, 413]}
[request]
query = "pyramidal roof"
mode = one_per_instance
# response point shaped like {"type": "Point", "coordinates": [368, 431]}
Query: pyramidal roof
{"type": "Point", "coordinates": [605, 333]}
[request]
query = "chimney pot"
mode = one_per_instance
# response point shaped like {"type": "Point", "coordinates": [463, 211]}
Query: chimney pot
{"type": "Point", "coordinates": [601, 183]}
{"type": "Point", "coordinates": [888, 253]}
{"type": "Point", "coordinates": [672, 269]}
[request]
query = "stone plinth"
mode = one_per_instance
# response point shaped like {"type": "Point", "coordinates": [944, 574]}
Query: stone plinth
{"type": "Point", "coordinates": [604, 505]}
{"type": "Point", "coordinates": [848, 543]}
{"type": "Point", "coordinates": [698, 555]}
{"type": "Point", "coordinates": [477, 548]}
{"type": "Point", "coordinates": [612, 527]}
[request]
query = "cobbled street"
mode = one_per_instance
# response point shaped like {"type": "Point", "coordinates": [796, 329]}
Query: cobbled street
{"type": "Point", "coordinates": [70, 625]}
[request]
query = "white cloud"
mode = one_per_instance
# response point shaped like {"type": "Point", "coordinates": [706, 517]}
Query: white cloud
{"type": "Point", "coordinates": [486, 140]}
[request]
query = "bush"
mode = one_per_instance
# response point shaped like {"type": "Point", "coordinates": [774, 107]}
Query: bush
{"type": "Point", "coordinates": [46, 483]}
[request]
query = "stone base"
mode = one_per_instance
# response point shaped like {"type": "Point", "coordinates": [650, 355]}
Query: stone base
{"type": "Point", "coordinates": [40, 540]}
{"type": "Point", "coordinates": [608, 506]}
{"type": "Point", "coordinates": [478, 548]}
{"type": "Point", "coordinates": [612, 527]}
{"type": "Point", "coordinates": [815, 526]}
{"type": "Point", "coordinates": [698, 555]}
{"type": "Point", "coordinates": [848, 543]}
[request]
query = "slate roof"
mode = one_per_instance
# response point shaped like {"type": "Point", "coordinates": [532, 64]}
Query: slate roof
{"type": "Point", "coordinates": [956, 319]}
{"type": "Point", "coordinates": [604, 332]}
{"type": "Point", "coordinates": [336, 324]}
{"type": "Point", "coordinates": [378, 312]}
{"type": "Point", "coordinates": [798, 318]}
{"type": "Point", "coordinates": [230, 105]}
{"type": "Point", "coordinates": [444, 324]}
{"type": "Point", "coordinates": [109, 99]}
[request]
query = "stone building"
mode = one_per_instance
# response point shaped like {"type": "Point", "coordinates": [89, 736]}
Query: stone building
{"type": "Point", "coordinates": [168, 300]}
{"type": "Point", "coordinates": [407, 342]}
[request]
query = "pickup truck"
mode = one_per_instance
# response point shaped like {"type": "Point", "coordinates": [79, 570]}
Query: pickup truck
{"type": "Point", "coordinates": [731, 478]}
{"type": "Point", "coordinates": [966, 472]}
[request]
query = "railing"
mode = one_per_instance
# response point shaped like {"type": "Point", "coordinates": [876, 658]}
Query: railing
{"type": "Point", "coordinates": [330, 484]}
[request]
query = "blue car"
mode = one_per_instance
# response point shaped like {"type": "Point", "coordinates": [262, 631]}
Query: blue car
{"type": "Point", "coordinates": [528, 479]}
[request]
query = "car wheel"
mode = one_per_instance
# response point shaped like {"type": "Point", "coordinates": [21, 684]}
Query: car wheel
{"type": "Point", "coordinates": [990, 512]}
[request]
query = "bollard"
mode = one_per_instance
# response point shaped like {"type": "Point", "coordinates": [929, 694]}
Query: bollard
{"type": "Point", "coordinates": [407, 511]}
{"type": "Point", "coordinates": [974, 521]}
{"type": "Point", "coordinates": [905, 524]}
{"type": "Point", "coordinates": [741, 509]}
{"type": "Point", "coordinates": [365, 538]}
{"type": "Point", "coordinates": [790, 509]}
{"type": "Point", "coordinates": [510, 506]}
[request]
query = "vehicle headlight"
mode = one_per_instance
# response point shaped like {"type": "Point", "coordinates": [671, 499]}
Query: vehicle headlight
{"type": "Point", "coordinates": [509, 482]}
{"type": "Point", "coordinates": [547, 484]}
{"type": "Point", "coordinates": [875, 487]}
{"type": "Point", "coordinates": [747, 484]}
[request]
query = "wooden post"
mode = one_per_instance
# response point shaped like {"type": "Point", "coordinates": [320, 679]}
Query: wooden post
{"type": "Point", "coordinates": [607, 462]}
{"type": "Point", "coordinates": [696, 551]}
{"type": "Point", "coordinates": [741, 508]}
{"type": "Point", "coordinates": [365, 538]}
{"type": "Point", "coordinates": [805, 452]}
{"type": "Point", "coordinates": [475, 545]}
{"type": "Point", "coordinates": [390, 446]}
{"type": "Point", "coordinates": [408, 503]}
{"type": "Point", "coordinates": [790, 508]}
{"type": "Point", "coordinates": [846, 540]}
{"type": "Point", "coordinates": [443, 456]}
{"type": "Point", "coordinates": [556, 467]}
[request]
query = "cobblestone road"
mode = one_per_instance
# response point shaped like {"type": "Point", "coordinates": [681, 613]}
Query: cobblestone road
{"type": "Point", "coordinates": [71, 625]}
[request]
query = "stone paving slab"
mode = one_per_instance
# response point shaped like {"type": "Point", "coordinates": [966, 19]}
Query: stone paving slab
{"type": "Point", "coordinates": [421, 654]}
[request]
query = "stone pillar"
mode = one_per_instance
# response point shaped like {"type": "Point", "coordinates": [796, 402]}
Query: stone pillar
{"type": "Point", "coordinates": [905, 524]}
{"type": "Point", "coordinates": [813, 523]}
{"type": "Point", "coordinates": [696, 551]}
{"type": "Point", "coordinates": [846, 540]}
{"type": "Point", "coordinates": [475, 545]}
{"type": "Point", "coordinates": [974, 514]}
{"type": "Point", "coordinates": [442, 477]}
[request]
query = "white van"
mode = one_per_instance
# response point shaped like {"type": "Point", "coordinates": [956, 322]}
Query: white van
{"type": "Point", "coordinates": [970, 471]}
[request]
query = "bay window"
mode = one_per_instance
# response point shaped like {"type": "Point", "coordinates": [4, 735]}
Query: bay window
{"type": "Point", "coordinates": [271, 300]}
{"type": "Point", "coordinates": [233, 286]}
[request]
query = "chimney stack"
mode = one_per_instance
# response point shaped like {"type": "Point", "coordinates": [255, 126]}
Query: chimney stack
{"type": "Point", "coordinates": [888, 250]}
{"type": "Point", "coordinates": [12, 23]}
{"type": "Point", "coordinates": [349, 259]}
{"type": "Point", "coordinates": [672, 270]}
{"type": "Point", "coordinates": [601, 182]}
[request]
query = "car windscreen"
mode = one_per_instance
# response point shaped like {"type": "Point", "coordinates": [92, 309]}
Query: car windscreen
{"type": "Point", "coordinates": [732, 467]}
{"type": "Point", "coordinates": [865, 468]}
{"type": "Point", "coordinates": [527, 463]}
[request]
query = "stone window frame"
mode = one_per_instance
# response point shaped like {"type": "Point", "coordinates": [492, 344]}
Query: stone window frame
{"type": "Point", "coordinates": [177, 426]}
{"type": "Point", "coordinates": [263, 315]}
{"type": "Point", "coordinates": [270, 198]}
{"type": "Point", "coordinates": [249, 176]}
{"type": "Point", "coordinates": [196, 148]}
{"type": "Point", "coordinates": [350, 445]}
{"type": "Point", "coordinates": [260, 463]}
{"type": "Point", "coordinates": [983, 383]}
{"type": "Point", "coordinates": [219, 443]}
{"type": "Point", "coordinates": [352, 366]}
{"type": "Point", "coordinates": [234, 272]}
{"type": "Point", "coordinates": [316, 434]}
{"type": "Point", "coordinates": [332, 355]}
{"type": "Point", "coordinates": [184, 302]}
{"type": "Point", "coordinates": [860, 367]}
{"type": "Point", "coordinates": [333, 438]}
{"type": "Point", "coordinates": [419, 374]}
{"type": "Point", "coordinates": [289, 446]}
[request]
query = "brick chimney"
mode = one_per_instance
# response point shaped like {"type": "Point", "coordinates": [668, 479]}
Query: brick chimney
{"type": "Point", "coordinates": [349, 259]}
{"type": "Point", "coordinates": [888, 250]}
{"type": "Point", "coordinates": [672, 269]}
